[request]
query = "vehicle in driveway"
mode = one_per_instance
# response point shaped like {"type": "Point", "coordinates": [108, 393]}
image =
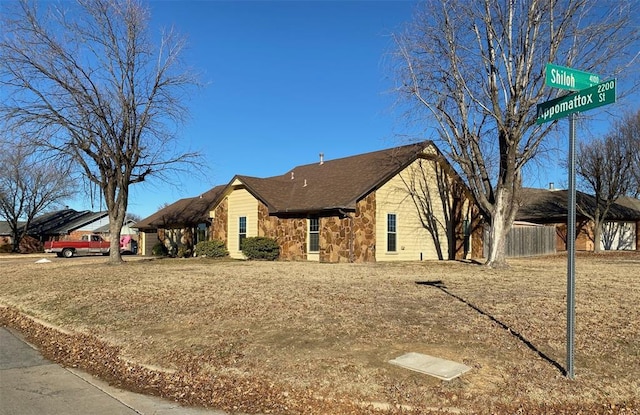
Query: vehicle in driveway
{"type": "Point", "coordinates": [87, 245]}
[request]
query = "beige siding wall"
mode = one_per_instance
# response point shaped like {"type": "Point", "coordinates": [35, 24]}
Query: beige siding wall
{"type": "Point", "coordinates": [412, 240]}
{"type": "Point", "coordinates": [147, 240]}
{"type": "Point", "coordinates": [240, 203]}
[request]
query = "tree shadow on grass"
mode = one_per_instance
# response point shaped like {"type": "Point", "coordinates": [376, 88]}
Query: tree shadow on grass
{"type": "Point", "coordinates": [439, 284]}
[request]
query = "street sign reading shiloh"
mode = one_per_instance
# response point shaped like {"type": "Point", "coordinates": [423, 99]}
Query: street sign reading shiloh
{"type": "Point", "coordinates": [586, 99]}
{"type": "Point", "coordinates": [568, 78]}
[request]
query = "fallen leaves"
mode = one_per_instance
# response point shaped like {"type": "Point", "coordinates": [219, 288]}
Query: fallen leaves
{"type": "Point", "coordinates": [304, 338]}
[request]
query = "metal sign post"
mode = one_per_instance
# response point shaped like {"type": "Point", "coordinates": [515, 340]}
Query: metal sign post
{"type": "Point", "coordinates": [588, 93]}
{"type": "Point", "coordinates": [571, 247]}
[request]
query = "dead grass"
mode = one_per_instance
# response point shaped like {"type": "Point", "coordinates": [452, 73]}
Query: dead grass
{"type": "Point", "coordinates": [291, 337]}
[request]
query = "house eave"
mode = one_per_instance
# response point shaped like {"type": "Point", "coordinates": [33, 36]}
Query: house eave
{"type": "Point", "coordinates": [313, 211]}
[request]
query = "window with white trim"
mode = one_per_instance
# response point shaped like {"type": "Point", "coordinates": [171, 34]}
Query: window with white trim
{"type": "Point", "coordinates": [242, 231]}
{"type": "Point", "coordinates": [392, 234]}
{"type": "Point", "coordinates": [314, 234]}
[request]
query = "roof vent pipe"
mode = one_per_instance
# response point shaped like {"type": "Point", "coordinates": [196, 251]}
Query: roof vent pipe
{"type": "Point", "coordinates": [292, 176]}
{"type": "Point", "coordinates": [321, 158]}
{"type": "Point", "coordinates": [305, 183]}
{"type": "Point", "coordinates": [551, 186]}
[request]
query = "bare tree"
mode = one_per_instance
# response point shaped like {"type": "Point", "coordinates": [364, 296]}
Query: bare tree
{"type": "Point", "coordinates": [134, 217]}
{"type": "Point", "coordinates": [604, 168]}
{"type": "Point", "coordinates": [89, 84]}
{"type": "Point", "coordinates": [631, 129]}
{"type": "Point", "coordinates": [474, 72]}
{"type": "Point", "coordinates": [28, 187]}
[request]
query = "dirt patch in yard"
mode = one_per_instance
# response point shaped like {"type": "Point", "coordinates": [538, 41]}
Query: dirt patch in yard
{"type": "Point", "coordinates": [291, 337]}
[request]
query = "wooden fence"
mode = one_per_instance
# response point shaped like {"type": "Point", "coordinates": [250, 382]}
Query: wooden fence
{"type": "Point", "coordinates": [528, 241]}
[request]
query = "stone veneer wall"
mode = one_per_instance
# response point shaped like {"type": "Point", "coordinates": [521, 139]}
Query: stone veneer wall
{"type": "Point", "coordinates": [351, 238]}
{"type": "Point", "coordinates": [364, 228]}
{"type": "Point", "coordinates": [334, 239]}
{"type": "Point", "coordinates": [291, 233]}
{"type": "Point", "coordinates": [219, 223]}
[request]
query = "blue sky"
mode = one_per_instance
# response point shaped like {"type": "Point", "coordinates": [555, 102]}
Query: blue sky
{"type": "Point", "coordinates": [285, 81]}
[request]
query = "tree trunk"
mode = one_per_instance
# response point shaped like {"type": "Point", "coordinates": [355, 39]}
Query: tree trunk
{"type": "Point", "coordinates": [597, 234]}
{"type": "Point", "coordinates": [496, 257]}
{"type": "Point", "coordinates": [501, 220]}
{"type": "Point", "coordinates": [114, 250]}
{"type": "Point", "coordinates": [117, 208]}
{"type": "Point", "coordinates": [16, 244]}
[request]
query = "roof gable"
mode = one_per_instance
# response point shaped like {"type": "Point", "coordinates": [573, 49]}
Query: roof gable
{"type": "Point", "coordinates": [187, 211]}
{"type": "Point", "coordinates": [333, 184]}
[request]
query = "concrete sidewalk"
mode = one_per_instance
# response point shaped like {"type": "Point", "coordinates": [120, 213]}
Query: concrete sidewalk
{"type": "Point", "coordinates": [29, 384]}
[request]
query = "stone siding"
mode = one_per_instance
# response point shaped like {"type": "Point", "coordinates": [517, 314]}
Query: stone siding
{"type": "Point", "coordinates": [290, 233]}
{"type": "Point", "coordinates": [219, 222]}
{"type": "Point", "coordinates": [351, 238]}
{"type": "Point", "coordinates": [334, 239]}
{"type": "Point", "coordinates": [364, 228]}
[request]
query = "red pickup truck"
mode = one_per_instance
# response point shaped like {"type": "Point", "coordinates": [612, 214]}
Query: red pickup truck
{"type": "Point", "coordinates": [87, 245]}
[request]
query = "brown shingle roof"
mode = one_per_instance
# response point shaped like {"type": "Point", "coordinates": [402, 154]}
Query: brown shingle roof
{"type": "Point", "coordinates": [184, 212]}
{"type": "Point", "coordinates": [334, 184]}
{"type": "Point", "coordinates": [550, 206]}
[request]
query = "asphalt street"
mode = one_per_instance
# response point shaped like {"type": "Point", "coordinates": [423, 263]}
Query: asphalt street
{"type": "Point", "coordinates": [30, 384]}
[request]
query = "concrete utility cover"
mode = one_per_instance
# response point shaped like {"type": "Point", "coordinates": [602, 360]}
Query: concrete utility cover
{"type": "Point", "coordinates": [433, 366]}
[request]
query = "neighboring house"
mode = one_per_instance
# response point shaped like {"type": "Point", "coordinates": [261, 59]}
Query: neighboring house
{"type": "Point", "coordinates": [58, 225]}
{"type": "Point", "coordinates": [181, 224]}
{"type": "Point", "coordinates": [623, 234]}
{"type": "Point", "coordinates": [85, 224]}
{"type": "Point", "coordinates": [6, 236]}
{"type": "Point", "coordinates": [128, 235]}
{"type": "Point", "coordinates": [62, 224]}
{"type": "Point", "coordinates": [66, 224]}
{"type": "Point", "coordinates": [399, 204]}
{"type": "Point", "coordinates": [621, 227]}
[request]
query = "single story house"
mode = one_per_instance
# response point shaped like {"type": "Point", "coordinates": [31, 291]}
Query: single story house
{"type": "Point", "coordinates": [621, 227]}
{"type": "Point", "coordinates": [6, 236]}
{"type": "Point", "coordinates": [181, 224]}
{"type": "Point", "coordinates": [399, 204]}
{"type": "Point", "coordinates": [61, 224]}
{"type": "Point", "coordinates": [65, 224]}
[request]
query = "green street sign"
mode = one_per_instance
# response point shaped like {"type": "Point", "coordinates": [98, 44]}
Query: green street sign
{"type": "Point", "coordinates": [586, 99]}
{"type": "Point", "coordinates": [568, 78]}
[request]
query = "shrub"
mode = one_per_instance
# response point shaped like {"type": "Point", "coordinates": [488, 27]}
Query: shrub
{"type": "Point", "coordinates": [211, 249]}
{"type": "Point", "coordinates": [159, 249]}
{"type": "Point", "coordinates": [5, 248]}
{"type": "Point", "coordinates": [260, 247]}
{"type": "Point", "coordinates": [184, 251]}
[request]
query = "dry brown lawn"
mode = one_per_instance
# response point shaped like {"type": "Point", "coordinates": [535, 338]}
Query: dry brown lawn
{"type": "Point", "coordinates": [306, 338]}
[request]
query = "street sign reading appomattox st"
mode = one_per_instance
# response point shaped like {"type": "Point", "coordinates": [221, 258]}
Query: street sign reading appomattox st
{"type": "Point", "coordinates": [586, 99]}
